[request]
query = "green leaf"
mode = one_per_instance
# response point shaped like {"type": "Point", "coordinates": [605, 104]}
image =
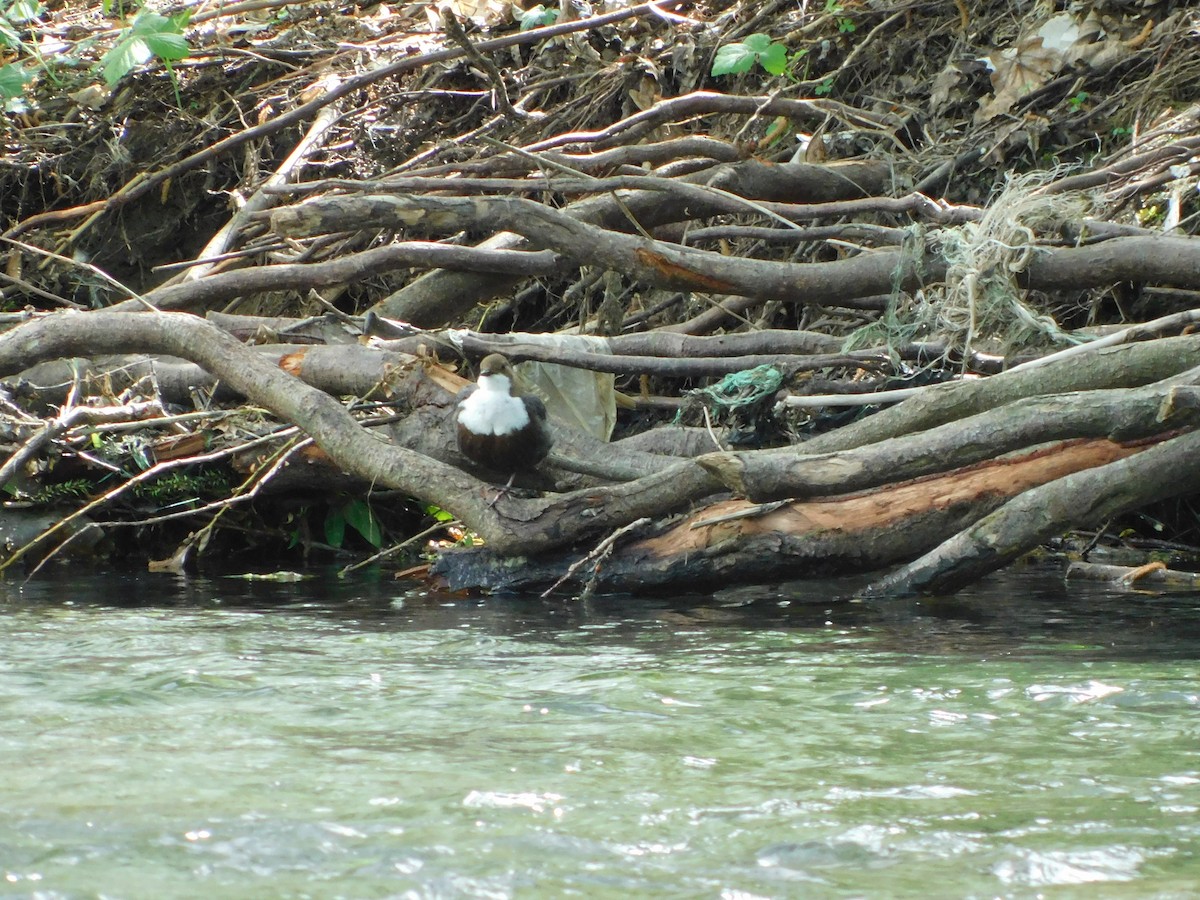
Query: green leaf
{"type": "Point", "coordinates": [13, 79]}
{"type": "Point", "coordinates": [150, 35]}
{"type": "Point", "coordinates": [149, 23]}
{"type": "Point", "coordinates": [758, 43]}
{"type": "Point", "coordinates": [23, 11]}
{"type": "Point", "coordinates": [359, 517]}
{"type": "Point", "coordinates": [123, 58]}
{"type": "Point", "coordinates": [438, 513]}
{"type": "Point", "coordinates": [774, 59]}
{"type": "Point", "coordinates": [8, 35]}
{"type": "Point", "coordinates": [732, 59]}
{"type": "Point", "coordinates": [335, 528]}
{"type": "Point", "coordinates": [537, 17]}
{"type": "Point", "coordinates": [168, 47]}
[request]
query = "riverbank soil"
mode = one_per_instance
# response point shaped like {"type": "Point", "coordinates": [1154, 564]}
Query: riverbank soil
{"type": "Point", "coordinates": [807, 289]}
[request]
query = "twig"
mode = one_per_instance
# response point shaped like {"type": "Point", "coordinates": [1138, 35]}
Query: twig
{"type": "Point", "coordinates": [753, 512]}
{"type": "Point", "coordinates": [98, 272]}
{"type": "Point", "coordinates": [499, 89]}
{"type": "Point", "coordinates": [73, 418]}
{"type": "Point", "coordinates": [710, 102]}
{"type": "Point", "coordinates": [256, 480]}
{"type": "Point", "coordinates": [261, 199]}
{"type": "Point", "coordinates": [395, 548]}
{"type": "Point", "coordinates": [598, 553]}
{"type": "Point", "coordinates": [36, 291]}
{"type": "Point", "coordinates": [1136, 332]}
{"type": "Point", "coordinates": [140, 478]}
{"type": "Point", "coordinates": [813, 400]}
{"type": "Point", "coordinates": [709, 427]}
{"type": "Point", "coordinates": [143, 183]}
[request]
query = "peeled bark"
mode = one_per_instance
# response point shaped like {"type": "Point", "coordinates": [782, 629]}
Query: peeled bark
{"type": "Point", "coordinates": [1080, 499]}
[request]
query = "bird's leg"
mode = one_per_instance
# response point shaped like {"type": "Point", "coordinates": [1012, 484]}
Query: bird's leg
{"type": "Point", "coordinates": [504, 490]}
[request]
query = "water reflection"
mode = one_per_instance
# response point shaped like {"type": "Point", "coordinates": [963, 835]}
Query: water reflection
{"type": "Point", "coordinates": [1026, 612]}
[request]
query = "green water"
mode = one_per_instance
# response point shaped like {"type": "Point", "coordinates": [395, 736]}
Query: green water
{"type": "Point", "coordinates": [216, 739]}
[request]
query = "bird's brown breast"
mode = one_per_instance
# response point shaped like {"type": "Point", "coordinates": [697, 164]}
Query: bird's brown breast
{"type": "Point", "coordinates": [516, 451]}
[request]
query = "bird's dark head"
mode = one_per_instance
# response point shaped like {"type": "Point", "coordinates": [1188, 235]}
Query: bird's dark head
{"type": "Point", "coordinates": [495, 364]}
{"type": "Point", "coordinates": [495, 374]}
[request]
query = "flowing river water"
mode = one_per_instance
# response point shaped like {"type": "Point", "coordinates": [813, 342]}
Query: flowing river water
{"type": "Point", "coordinates": [217, 738]}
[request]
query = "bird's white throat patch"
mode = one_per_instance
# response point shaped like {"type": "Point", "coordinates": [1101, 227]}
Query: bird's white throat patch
{"type": "Point", "coordinates": [492, 409]}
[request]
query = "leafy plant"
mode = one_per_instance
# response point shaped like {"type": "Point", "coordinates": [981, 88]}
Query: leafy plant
{"type": "Point", "coordinates": [845, 25]}
{"type": "Point", "coordinates": [438, 513]}
{"type": "Point", "coordinates": [733, 59]}
{"type": "Point", "coordinates": [150, 35]}
{"type": "Point", "coordinates": [824, 88]}
{"type": "Point", "coordinates": [14, 77]}
{"type": "Point", "coordinates": [75, 489]}
{"type": "Point", "coordinates": [1149, 216]}
{"type": "Point", "coordinates": [537, 17]}
{"type": "Point", "coordinates": [1076, 102]}
{"type": "Point", "coordinates": [184, 486]}
{"type": "Point", "coordinates": [357, 514]}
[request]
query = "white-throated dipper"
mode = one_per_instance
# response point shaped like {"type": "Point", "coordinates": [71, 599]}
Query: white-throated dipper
{"type": "Point", "coordinates": [497, 428]}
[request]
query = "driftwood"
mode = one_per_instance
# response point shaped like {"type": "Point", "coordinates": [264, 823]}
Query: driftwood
{"type": "Point", "coordinates": [735, 541]}
{"type": "Point", "coordinates": [589, 208]}
{"type": "Point", "coordinates": [1083, 498]}
{"type": "Point", "coordinates": [913, 491]}
{"type": "Point", "coordinates": [902, 511]}
{"type": "Point", "coordinates": [1150, 577]}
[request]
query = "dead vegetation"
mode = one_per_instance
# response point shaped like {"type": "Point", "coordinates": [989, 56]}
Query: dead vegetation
{"type": "Point", "coordinates": [302, 228]}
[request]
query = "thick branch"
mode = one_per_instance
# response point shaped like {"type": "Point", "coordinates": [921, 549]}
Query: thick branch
{"type": "Point", "coordinates": [734, 541]}
{"type": "Point", "coordinates": [439, 297]}
{"type": "Point", "coordinates": [215, 290]}
{"type": "Point", "coordinates": [510, 527]}
{"type": "Point", "coordinates": [1131, 365]}
{"type": "Point", "coordinates": [1120, 414]}
{"type": "Point", "coordinates": [1088, 497]}
{"type": "Point", "coordinates": [659, 263]}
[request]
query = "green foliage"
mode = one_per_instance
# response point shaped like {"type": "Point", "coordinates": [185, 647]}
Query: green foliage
{"type": "Point", "coordinates": [1076, 102]}
{"type": "Point", "coordinates": [150, 35]}
{"type": "Point", "coordinates": [537, 17]}
{"type": "Point", "coordinates": [13, 79]}
{"type": "Point", "coordinates": [335, 528]}
{"type": "Point", "coordinates": [74, 490]}
{"type": "Point", "coordinates": [177, 486]}
{"type": "Point", "coordinates": [734, 59]}
{"type": "Point", "coordinates": [845, 25]}
{"type": "Point", "coordinates": [1151, 215]}
{"type": "Point", "coordinates": [824, 88]}
{"type": "Point", "coordinates": [438, 513]}
{"type": "Point", "coordinates": [19, 12]}
{"type": "Point", "coordinates": [358, 515]}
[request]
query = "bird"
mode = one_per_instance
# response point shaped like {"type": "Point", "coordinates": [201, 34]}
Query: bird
{"type": "Point", "coordinates": [498, 429]}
